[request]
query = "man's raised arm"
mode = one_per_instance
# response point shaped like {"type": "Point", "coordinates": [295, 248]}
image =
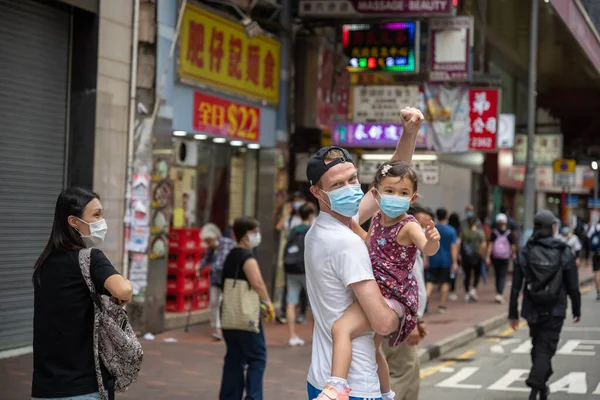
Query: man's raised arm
{"type": "Point", "coordinates": [412, 119]}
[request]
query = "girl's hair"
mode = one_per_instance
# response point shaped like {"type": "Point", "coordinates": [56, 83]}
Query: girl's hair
{"type": "Point", "coordinates": [396, 169]}
{"type": "Point", "coordinates": [243, 225]}
{"type": "Point", "coordinates": [71, 201]}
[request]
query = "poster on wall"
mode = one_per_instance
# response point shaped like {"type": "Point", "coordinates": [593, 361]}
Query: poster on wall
{"type": "Point", "coordinates": [484, 110]}
{"type": "Point", "coordinates": [138, 239]}
{"type": "Point", "coordinates": [450, 49]}
{"type": "Point", "coordinates": [389, 47]}
{"type": "Point", "coordinates": [138, 273]}
{"type": "Point", "coordinates": [448, 117]}
{"type": "Point", "coordinates": [382, 103]}
{"type": "Point", "coordinates": [506, 131]}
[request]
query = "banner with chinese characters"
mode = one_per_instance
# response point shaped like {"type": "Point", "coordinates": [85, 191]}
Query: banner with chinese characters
{"type": "Point", "coordinates": [546, 149]}
{"type": "Point", "coordinates": [382, 103]}
{"type": "Point", "coordinates": [215, 51]}
{"type": "Point", "coordinates": [485, 106]}
{"type": "Point", "coordinates": [372, 135]}
{"type": "Point", "coordinates": [389, 47]}
{"type": "Point", "coordinates": [450, 42]}
{"type": "Point", "coordinates": [373, 8]}
{"type": "Point", "coordinates": [447, 114]}
{"type": "Point", "coordinates": [217, 116]}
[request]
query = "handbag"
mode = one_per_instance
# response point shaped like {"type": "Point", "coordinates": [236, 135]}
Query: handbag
{"type": "Point", "coordinates": [240, 309]}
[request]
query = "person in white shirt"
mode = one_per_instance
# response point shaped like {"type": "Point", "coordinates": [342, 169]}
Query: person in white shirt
{"type": "Point", "coordinates": [594, 236]}
{"type": "Point", "coordinates": [571, 240]}
{"type": "Point", "coordinates": [339, 271]}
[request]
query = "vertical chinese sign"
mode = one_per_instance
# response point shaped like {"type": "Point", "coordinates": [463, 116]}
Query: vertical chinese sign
{"type": "Point", "coordinates": [483, 113]}
{"type": "Point", "coordinates": [215, 51]}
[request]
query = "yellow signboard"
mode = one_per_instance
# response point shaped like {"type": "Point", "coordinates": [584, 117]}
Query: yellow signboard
{"type": "Point", "coordinates": [215, 51]}
{"type": "Point", "coordinates": [565, 165]}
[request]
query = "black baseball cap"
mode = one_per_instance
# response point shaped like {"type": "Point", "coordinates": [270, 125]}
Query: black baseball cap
{"type": "Point", "coordinates": [544, 219]}
{"type": "Point", "coordinates": [316, 166]}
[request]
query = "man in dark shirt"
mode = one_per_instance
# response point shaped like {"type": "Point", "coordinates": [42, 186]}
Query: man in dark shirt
{"type": "Point", "coordinates": [534, 272]}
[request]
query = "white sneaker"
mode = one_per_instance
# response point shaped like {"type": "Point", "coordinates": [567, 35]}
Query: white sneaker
{"type": "Point", "coordinates": [452, 297]}
{"type": "Point", "coordinates": [296, 341]}
{"type": "Point", "coordinates": [467, 298]}
{"type": "Point", "coordinates": [473, 295]}
{"type": "Point", "coordinates": [499, 299]}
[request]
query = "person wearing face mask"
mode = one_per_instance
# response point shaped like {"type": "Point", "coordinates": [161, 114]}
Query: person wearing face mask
{"type": "Point", "coordinates": [63, 360]}
{"type": "Point", "coordinates": [218, 249]}
{"type": "Point", "coordinates": [245, 350]}
{"type": "Point", "coordinates": [571, 240]}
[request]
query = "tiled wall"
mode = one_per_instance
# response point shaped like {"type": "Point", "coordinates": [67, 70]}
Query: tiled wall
{"type": "Point", "coordinates": [110, 163]}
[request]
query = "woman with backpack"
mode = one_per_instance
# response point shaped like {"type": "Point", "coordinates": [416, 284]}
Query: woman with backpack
{"type": "Point", "coordinates": [63, 344]}
{"type": "Point", "coordinates": [500, 251]}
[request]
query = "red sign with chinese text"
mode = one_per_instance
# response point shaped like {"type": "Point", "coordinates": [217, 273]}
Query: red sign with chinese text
{"type": "Point", "coordinates": [484, 110]}
{"type": "Point", "coordinates": [217, 116]}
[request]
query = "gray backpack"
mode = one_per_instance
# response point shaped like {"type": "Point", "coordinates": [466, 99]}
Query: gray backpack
{"type": "Point", "coordinates": [115, 343]}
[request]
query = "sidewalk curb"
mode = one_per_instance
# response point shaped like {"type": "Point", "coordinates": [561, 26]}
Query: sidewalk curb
{"type": "Point", "coordinates": [460, 339]}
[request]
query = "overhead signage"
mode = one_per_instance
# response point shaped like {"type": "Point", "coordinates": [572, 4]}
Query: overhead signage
{"type": "Point", "coordinates": [483, 113]}
{"type": "Point", "coordinates": [382, 103]}
{"type": "Point", "coordinates": [373, 8]}
{"type": "Point", "coordinates": [506, 131]}
{"type": "Point", "coordinates": [450, 43]}
{"type": "Point", "coordinates": [372, 135]}
{"type": "Point", "coordinates": [390, 47]}
{"type": "Point", "coordinates": [546, 149]}
{"type": "Point", "coordinates": [221, 117]}
{"type": "Point", "coordinates": [215, 51]}
{"type": "Point", "coordinates": [564, 165]}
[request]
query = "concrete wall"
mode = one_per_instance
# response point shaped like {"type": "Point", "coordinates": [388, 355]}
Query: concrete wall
{"type": "Point", "coordinates": [453, 192]}
{"type": "Point", "coordinates": [110, 163]}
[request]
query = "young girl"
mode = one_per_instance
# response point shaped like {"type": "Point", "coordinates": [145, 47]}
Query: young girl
{"type": "Point", "coordinates": [393, 240]}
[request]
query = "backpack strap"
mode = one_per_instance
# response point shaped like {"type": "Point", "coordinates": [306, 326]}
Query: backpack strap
{"type": "Point", "coordinates": [85, 261]}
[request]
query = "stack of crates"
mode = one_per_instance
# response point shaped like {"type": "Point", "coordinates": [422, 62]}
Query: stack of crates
{"type": "Point", "coordinates": [184, 257]}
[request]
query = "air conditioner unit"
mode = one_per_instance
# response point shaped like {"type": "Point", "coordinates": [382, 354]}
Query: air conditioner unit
{"type": "Point", "coordinates": [186, 152]}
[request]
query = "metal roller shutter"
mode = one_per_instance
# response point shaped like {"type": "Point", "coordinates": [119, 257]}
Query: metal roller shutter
{"type": "Point", "coordinates": [34, 58]}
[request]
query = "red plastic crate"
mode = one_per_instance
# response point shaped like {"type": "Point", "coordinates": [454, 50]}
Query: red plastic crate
{"type": "Point", "coordinates": [202, 302]}
{"type": "Point", "coordinates": [180, 281]}
{"type": "Point", "coordinates": [185, 261]}
{"type": "Point", "coordinates": [203, 285]}
{"type": "Point", "coordinates": [184, 239]}
{"type": "Point", "coordinates": [179, 302]}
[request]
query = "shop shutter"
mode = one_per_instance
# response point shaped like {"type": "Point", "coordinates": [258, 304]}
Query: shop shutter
{"type": "Point", "coordinates": [34, 58]}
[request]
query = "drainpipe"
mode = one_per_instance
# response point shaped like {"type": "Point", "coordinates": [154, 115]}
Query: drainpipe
{"type": "Point", "coordinates": [132, 114]}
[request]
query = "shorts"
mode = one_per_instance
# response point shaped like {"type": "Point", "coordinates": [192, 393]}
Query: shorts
{"type": "Point", "coordinates": [295, 284]}
{"type": "Point", "coordinates": [438, 275]}
{"type": "Point", "coordinates": [596, 262]}
{"type": "Point", "coordinates": [91, 396]}
{"type": "Point", "coordinates": [313, 392]}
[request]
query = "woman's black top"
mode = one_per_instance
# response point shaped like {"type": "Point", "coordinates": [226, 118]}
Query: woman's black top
{"type": "Point", "coordinates": [234, 261]}
{"type": "Point", "coordinates": [63, 319]}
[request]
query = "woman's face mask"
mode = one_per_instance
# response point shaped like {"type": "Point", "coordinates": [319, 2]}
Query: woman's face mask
{"type": "Point", "coordinates": [254, 239]}
{"type": "Point", "coordinates": [97, 234]}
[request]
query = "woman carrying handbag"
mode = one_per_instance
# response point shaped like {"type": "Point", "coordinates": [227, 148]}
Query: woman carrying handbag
{"type": "Point", "coordinates": [64, 365]}
{"type": "Point", "coordinates": [245, 302]}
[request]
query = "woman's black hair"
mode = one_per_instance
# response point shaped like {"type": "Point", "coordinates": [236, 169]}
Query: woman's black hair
{"type": "Point", "coordinates": [243, 225]}
{"type": "Point", "coordinates": [454, 221]}
{"type": "Point", "coordinates": [71, 202]}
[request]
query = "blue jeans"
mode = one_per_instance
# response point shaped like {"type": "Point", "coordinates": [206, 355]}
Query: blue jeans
{"type": "Point", "coordinates": [91, 396]}
{"type": "Point", "coordinates": [313, 392]}
{"type": "Point", "coordinates": [244, 349]}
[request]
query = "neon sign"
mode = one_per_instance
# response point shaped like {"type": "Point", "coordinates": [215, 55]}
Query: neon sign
{"type": "Point", "coordinates": [391, 47]}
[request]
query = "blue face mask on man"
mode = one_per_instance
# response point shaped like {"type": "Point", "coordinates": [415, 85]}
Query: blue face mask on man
{"type": "Point", "coordinates": [346, 200]}
{"type": "Point", "coordinates": [394, 206]}
{"type": "Point", "coordinates": [297, 205]}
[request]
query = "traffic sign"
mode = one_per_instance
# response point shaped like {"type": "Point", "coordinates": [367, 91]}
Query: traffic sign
{"type": "Point", "coordinates": [591, 203]}
{"type": "Point", "coordinates": [564, 165]}
{"type": "Point", "coordinates": [564, 179]}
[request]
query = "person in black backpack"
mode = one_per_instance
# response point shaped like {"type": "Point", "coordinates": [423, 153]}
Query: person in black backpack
{"type": "Point", "coordinates": [545, 270]}
{"type": "Point", "coordinates": [293, 261]}
{"type": "Point", "coordinates": [594, 248]}
{"type": "Point", "coordinates": [472, 251]}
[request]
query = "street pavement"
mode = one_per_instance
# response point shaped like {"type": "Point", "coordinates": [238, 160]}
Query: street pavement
{"type": "Point", "coordinates": [179, 365]}
{"type": "Point", "coordinates": [495, 367]}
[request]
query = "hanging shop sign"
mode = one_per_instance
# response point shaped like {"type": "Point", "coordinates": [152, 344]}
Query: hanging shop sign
{"type": "Point", "coordinates": [546, 149]}
{"type": "Point", "coordinates": [390, 47]}
{"type": "Point", "coordinates": [450, 43]}
{"type": "Point", "coordinates": [373, 8]}
{"type": "Point", "coordinates": [506, 131]}
{"type": "Point", "coordinates": [447, 117]}
{"type": "Point", "coordinates": [372, 135]}
{"type": "Point", "coordinates": [216, 52]}
{"type": "Point", "coordinates": [382, 103]}
{"type": "Point", "coordinates": [221, 117]}
{"type": "Point", "coordinates": [484, 109]}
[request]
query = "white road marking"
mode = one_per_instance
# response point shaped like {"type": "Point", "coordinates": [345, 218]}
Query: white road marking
{"type": "Point", "coordinates": [499, 348]}
{"type": "Point", "coordinates": [524, 348]}
{"type": "Point", "coordinates": [454, 380]}
{"type": "Point", "coordinates": [447, 370]}
{"type": "Point", "coordinates": [574, 382]}
{"type": "Point", "coordinates": [512, 376]}
{"type": "Point", "coordinates": [581, 329]}
{"type": "Point", "coordinates": [571, 347]}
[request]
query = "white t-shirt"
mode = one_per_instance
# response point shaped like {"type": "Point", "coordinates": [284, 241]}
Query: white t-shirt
{"type": "Point", "coordinates": [419, 272]}
{"type": "Point", "coordinates": [335, 257]}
